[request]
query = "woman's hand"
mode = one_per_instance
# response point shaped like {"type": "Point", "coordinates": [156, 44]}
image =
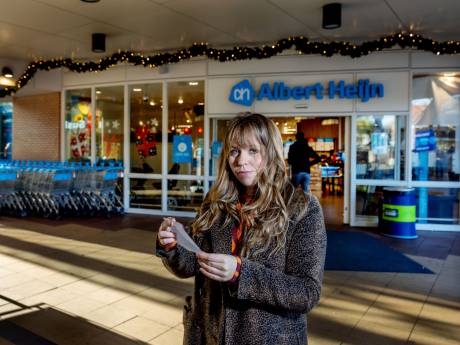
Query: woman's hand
{"type": "Point", "coordinates": [166, 237]}
{"type": "Point", "coordinates": [220, 267]}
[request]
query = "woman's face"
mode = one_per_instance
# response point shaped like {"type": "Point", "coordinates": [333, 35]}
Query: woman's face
{"type": "Point", "coordinates": [246, 162]}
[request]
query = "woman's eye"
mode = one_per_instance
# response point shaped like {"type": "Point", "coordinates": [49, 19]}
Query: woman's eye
{"type": "Point", "coordinates": [233, 152]}
{"type": "Point", "coordinates": [253, 151]}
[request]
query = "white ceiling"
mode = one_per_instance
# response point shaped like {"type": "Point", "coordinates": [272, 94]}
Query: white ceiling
{"type": "Point", "coordinates": [55, 28]}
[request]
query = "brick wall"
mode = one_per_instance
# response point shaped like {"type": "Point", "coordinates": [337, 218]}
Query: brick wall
{"type": "Point", "coordinates": [36, 126]}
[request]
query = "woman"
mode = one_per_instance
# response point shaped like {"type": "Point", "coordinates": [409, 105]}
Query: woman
{"type": "Point", "coordinates": [263, 246]}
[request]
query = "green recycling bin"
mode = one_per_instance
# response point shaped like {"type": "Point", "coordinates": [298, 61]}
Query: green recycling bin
{"type": "Point", "coordinates": [398, 210]}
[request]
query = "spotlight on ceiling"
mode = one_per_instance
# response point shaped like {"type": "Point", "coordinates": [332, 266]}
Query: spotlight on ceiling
{"type": "Point", "coordinates": [90, 1]}
{"type": "Point", "coordinates": [7, 72]}
{"type": "Point", "coordinates": [332, 16]}
{"type": "Point", "coordinates": [98, 43]}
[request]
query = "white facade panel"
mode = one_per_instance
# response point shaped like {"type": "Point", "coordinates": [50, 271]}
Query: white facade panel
{"type": "Point", "coordinates": [128, 73]}
{"type": "Point", "coordinates": [429, 60]}
{"type": "Point", "coordinates": [314, 64]}
{"type": "Point", "coordinates": [112, 75]}
{"type": "Point", "coordinates": [396, 92]}
{"type": "Point", "coordinates": [180, 70]}
{"type": "Point", "coordinates": [43, 82]}
{"type": "Point", "coordinates": [49, 80]}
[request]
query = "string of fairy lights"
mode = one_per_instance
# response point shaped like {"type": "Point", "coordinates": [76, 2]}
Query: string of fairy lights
{"type": "Point", "coordinates": [301, 44]}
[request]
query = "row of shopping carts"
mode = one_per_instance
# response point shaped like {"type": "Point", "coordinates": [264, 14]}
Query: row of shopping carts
{"type": "Point", "coordinates": [55, 189]}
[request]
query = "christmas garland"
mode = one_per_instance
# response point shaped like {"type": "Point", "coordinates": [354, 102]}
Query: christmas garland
{"type": "Point", "coordinates": [301, 44]}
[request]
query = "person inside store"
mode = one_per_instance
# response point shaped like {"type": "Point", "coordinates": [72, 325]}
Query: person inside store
{"type": "Point", "coordinates": [301, 157]}
{"type": "Point", "coordinates": [262, 246]}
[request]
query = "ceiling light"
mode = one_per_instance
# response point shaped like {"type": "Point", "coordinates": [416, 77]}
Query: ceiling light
{"type": "Point", "coordinates": [7, 72]}
{"type": "Point", "coordinates": [200, 103]}
{"type": "Point", "coordinates": [329, 122]}
{"type": "Point", "coordinates": [152, 103]}
{"type": "Point", "coordinates": [90, 1]}
{"type": "Point", "coordinates": [332, 16]}
{"type": "Point", "coordinates": [193, 83]}
{"type": "Point", "coordinates": [98, 92]}
{"type": "Point", "coordinates": [137, 90]}
{"type": "Point", "coordinates": [98, 43]}
{"type": "Point", "coordinates": [180, 100]}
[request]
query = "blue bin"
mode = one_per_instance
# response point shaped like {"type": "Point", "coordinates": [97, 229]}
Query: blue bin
{"type": "Point", "coordinates": [398, 212]}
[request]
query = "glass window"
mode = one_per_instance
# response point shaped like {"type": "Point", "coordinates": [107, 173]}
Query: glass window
{"type": "Point", "coordinates": [186, 127]}
{"type": "Point", "coordinates": [109, 123]}
{"type": "Point", "coordinates": [6, 128]}
{"type": "Point", "coordinates": [77, 125]}
{"type": "Point", "coordinates": [145, 129]}
{"type": "Point", "coordinates": [218, 130]}
{"type": "Point", "coordinates": [145, 193]}
{"type": "Point", "coordinates": [368, 199]}
{"type": "Point", "coordinates": [380, 147]}
{"type": "Point", "coordinates": [433, 205]}
{"type": "Point", "coordinates": [436, 128]}
{"type": "Point", "coordinates": [185, 195]}
{"type": "Point", "coordinates": [438, 205]}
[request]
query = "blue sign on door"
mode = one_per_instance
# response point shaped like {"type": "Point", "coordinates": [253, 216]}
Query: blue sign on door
{"type": "Point", "coordinates": [182, 149]}
{"type": "Point", "coordinates": [425, 140]}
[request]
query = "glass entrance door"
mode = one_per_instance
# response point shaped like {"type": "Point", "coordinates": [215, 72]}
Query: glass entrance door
{"type": "Point", "coordinates": [328, 136]}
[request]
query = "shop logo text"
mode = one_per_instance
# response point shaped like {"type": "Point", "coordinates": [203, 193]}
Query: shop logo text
{"type": "Point", "coordinates": [243, 93]}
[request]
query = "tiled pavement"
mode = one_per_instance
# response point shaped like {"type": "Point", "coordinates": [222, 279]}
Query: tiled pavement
{"type": "Point", "coordinates": [97, 282]}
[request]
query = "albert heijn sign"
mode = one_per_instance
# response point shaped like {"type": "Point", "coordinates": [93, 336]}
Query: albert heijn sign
{"type": "Point", "coordinates": [244, 93]}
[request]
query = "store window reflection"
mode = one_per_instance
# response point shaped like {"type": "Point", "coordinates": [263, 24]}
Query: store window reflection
{"type": "Point", "coordinates": [146, 106]}
{"type": "Point", "coordinates": [436, 128]}
{"type": "Point", "coordinates": [218, 130]}
{"type": "Point", "coordinates": [109, 123]}
{"type": "Point", "coordinates": [186, 127]}
{"type": "Point", "coordinates": [368, 200]}
{"type": "Point", "coordinates": [184, 195]}
{"type": "Point", "coordinates": [438, 205]}
{"type": "Point", "coordinates": [380, 147]}
{"type": "Point", "coordinates": [77, 125]}
{"type": "Point", "coordinates": [145, 193]}
{"type": "Point", "coordinates": [6, 130]}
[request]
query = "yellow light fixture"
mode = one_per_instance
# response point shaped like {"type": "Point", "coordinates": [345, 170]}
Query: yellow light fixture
{"type": "Point", "coordinates": [180, 100]}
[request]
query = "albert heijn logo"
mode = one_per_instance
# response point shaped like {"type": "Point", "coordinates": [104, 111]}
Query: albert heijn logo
{"type": "Point", "coordinates": [242, 93]}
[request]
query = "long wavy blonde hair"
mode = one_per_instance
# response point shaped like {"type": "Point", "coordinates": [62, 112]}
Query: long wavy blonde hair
{"type": "Point", "coordinates": [266, 217]}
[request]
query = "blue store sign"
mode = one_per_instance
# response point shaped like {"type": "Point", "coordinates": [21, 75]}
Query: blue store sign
{"type": "Point", "coordinates": [182, 149]}
{"type": "Point", "coordinates": [425, 140]}
{"type": "Point", "coordinates": [244, 93]}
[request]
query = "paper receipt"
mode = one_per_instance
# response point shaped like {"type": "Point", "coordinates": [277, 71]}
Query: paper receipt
{"type": "Point", "coordinates": [183, 239]}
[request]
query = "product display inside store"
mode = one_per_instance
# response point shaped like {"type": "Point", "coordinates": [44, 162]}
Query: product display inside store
{"type": "Point", "coordinates": [185, 145]}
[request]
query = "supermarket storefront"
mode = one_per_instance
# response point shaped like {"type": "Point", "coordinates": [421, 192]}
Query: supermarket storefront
{"type": "Point", "coordinates": [393, 119]}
